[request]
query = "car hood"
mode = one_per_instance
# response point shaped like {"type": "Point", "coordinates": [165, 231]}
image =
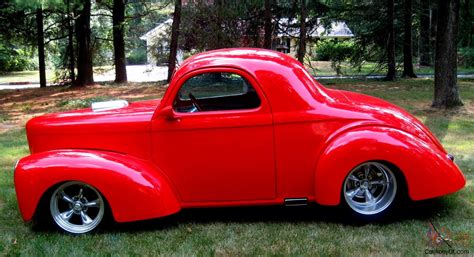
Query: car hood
{"type": "Point", "coordinates": [125, 129]}
{"type": "Point", "coordinates": [376, 109]}
{"type": "Point", "coordinates": [136, 112]}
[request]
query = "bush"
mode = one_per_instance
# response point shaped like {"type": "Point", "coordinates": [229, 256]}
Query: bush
{"type": "Point", "coordinates": [137, 56]}
{"type": "Point", "coordinates": [76, 103]}
{"type": "Point", "coordinates": [466, 57]}
{"type": "Point", "coordinates": [15, 60]}
{"type": "Point", "coordinates": [334, 50]}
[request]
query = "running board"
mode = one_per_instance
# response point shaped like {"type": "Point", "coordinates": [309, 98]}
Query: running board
{"type": "Point", "coordinates": [296, 201]}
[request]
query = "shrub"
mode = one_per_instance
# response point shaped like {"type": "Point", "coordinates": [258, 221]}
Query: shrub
{"type": "Point", "coordinates": [334, 50]}
{"type": "Point", "coordinates": [76, 103]}
{"type": "Point", "coordinates": [12, 59]}
{"type": "Point", "coordinates": [137, 56]}
{"type": "Point", "coordinates": [466, 57]}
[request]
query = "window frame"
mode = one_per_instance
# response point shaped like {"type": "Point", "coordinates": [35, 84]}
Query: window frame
{"type": "Point", "coordinates": [211, 97]}
{"type": "Point", "coordinates": [174, 93]}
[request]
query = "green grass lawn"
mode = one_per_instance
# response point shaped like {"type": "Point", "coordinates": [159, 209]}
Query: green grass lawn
{"type": "Point", "coordinates": [323, 68]}
{"type": "Point", "coordinates": [24, 76]}
{"type": "Point", "coordinates": [33, 76]}
{"type": "Point", "coordinates": [279, 231]}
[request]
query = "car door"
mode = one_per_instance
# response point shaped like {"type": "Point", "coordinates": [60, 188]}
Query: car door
{"type": "Point", "coordinates": [224, 151]}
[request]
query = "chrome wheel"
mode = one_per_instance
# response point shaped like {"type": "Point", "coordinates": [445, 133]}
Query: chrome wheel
{"type": "Point", "coordinates": [370, 188]}
{"type": "Point", "coordinates": [77, 207]}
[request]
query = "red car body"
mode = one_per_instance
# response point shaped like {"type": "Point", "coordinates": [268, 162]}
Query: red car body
{"type": "Point", "coordinates": [150, 161]}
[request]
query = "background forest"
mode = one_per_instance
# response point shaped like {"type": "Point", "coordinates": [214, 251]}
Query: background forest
{"type": "Point", "coordinates": [71, 39]}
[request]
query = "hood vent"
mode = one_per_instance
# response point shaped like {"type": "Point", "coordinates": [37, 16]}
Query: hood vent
{"type": "Point", "coordinates": [108, 105]}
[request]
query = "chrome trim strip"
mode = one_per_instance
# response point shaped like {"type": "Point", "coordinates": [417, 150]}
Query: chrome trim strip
{"type": "Point", "coordinates": [296, 201]}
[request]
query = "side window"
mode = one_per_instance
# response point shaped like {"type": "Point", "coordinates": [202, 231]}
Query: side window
{"type": "Point", "coordinates": [216, 91]}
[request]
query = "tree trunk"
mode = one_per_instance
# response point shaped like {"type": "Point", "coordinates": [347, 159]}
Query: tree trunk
{"type": "Point", "coordinates": [407, 41]}
{"type": "Point", "coordinates": [425, 53]}
{"type": "Point", "coordinates": [471, 28]}
{"type": "Point", "coordinates": [446, 92]}
{"type": "Point", "coordinates": [302, 39]}
{"type": "Point", "coordinates": [267, 42]}
{"type": "Point", "coordinates": [118, 20]}
{"type": "Point", "coordinates": [391, 73]}
{"type": "Point", "coordinates": [40, 38]}
{"type": "Point", "coordinates": [467, 25]}
{"type": "Point", "coordinates": [434, 27]}
{"type": "Point", "coordinates": [83, 36]}
{"type": "Point", "coordinates": [70, 47]}
{"type": "Point", "coordinates": [174, 38]}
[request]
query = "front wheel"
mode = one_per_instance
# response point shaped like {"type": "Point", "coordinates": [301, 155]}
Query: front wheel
{"type": "Point", "coordinates": [370, 190]}
{"type": "Point", "coordinates": [76, 207]}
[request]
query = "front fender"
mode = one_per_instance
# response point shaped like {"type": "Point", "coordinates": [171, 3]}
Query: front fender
{"type": "Point", "coordinates": [134, 188]}
{"type": "Point", "coordinates": [428, 172]}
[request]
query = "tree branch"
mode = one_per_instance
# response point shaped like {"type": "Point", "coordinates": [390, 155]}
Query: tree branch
{"type": "Point", "coordinates": [55, 38]}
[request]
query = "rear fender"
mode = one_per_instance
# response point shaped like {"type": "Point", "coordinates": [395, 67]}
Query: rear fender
{"type": "Point", "coordinates": [428, 172]}
{"type": "Point", "coordinates": [134, 188]}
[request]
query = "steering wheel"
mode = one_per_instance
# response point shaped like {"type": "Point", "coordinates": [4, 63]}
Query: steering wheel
{"type": "Point", "coordinates": [195, 102]}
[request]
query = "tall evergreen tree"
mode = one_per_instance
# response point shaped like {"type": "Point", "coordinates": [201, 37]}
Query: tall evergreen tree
{"type": "Point", "coordinates": [174, 38]}
{"type": "Point", "coordinates": [70, 42]}
{"type": "Point", "coordinates": [391, 72]}
{"type": "Point", "coordinates": [434, 26]}
{"type": "Point", "coordinates": [446, 91]}
{"type": "Point", "coordinates": [40, 39]}
{"type": "Point", "coordinates": [267, 43]}
{"type": "Point", "coordinates": [85, 74]}
{"type": "Point", "coordinates": [425, 52]}
{"type": "Point", "coordinates": [118, 23]}
{"type": "Point", "coordinates": [408, 41]}
{"type": "Point", "coordinates": [302, 37]}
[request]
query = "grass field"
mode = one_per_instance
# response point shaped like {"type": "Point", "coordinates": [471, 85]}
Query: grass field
{"type": "Point", "coordinates": [279, 231]}
{"type": "Point", "coordinates": [323, 68]}
{"type": "Point", "coordinates": [24, 76]}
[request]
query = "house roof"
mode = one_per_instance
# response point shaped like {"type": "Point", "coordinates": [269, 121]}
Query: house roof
{"type": "Point", "coordinates": [338, 29]}
{"type": "Point", "coordinates": [159, 30]}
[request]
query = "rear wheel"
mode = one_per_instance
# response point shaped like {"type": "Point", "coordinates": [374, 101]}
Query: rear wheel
{"type": "Point", "coordinates": [370, 190]}
{"type": "Point", "coordinates": [77, 207]}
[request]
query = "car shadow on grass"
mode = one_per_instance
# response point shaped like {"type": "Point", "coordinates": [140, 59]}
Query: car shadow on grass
{"type": "Point", "coordinates": [313, 213]}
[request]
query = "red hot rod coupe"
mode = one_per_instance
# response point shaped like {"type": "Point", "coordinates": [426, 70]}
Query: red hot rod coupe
{"type": "Point", "coordinates": [235, 127]}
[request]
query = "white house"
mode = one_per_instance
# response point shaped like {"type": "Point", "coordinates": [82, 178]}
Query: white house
{"type": "Point", "coordinates": [289, 33]}
{"type": "Point", "coordinates": [157, 44]}
{"type": "Point", "coordinates": [286, 39]}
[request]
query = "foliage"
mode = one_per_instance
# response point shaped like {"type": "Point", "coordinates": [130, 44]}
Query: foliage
{"type": "Point", "coordinates": [209, 26]}
{"type": "Point", "coordinates": [16, 59]}
{"type": "Point", "coordinates": [137, 56]}
{"type": "Point", "coordinates": [466, 57]}
{"type": "Point", "coordinates": [77, 103]}
{"type": "Point", "coordinates": [102, 47]}
{"type": "Point", "coordinates": [336, 51]}
{"type": "Point", "coordinates": [16, 38]}
{"type": "Point", "coordinates": [367, 21]}
{"type": "Point", "coordinates": [142, 16]}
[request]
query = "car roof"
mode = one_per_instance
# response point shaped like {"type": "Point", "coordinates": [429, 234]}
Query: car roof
{"type": "Point", "coordinates": [241, 57]}
{"type": "Point", "coordinates": [283, 79]}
